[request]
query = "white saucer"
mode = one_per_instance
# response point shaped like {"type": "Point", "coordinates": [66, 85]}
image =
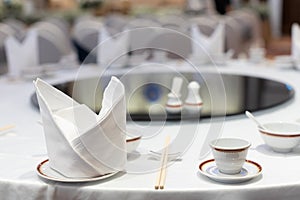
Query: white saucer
{"type": "Point", "coordinates": [45, 171]}
{"type": "Point", "coordinates": [249, 171]}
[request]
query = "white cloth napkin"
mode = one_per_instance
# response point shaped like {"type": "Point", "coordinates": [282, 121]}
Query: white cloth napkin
{"type": "Point", "coordinates": [112, 50]}
{"type": "Point", "coordinates": [22, 55]}
{"type": "Point", "coordinates": [295, 42]}
{"type": "Point", "coordinates": [79, 142]}
{"type": "Point", "coordinates": [204, 46]}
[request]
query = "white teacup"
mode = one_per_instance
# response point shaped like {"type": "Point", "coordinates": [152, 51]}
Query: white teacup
{"type": "Point", "coordinates": [257, 54]}
{"type": "Point", "coordinates": [230, 154]}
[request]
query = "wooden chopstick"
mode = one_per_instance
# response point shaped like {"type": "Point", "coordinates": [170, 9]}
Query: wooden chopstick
{"type": "Point", "coordinates": [164, 166]}
{"type": "Point", "coordinates": [7, 127]}
{"type": "Point", "coordinates": [161, 177]}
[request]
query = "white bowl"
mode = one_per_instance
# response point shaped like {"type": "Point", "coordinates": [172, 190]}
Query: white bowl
{"type": "Point", "coordinates": [284, 61]}
{"type": "Point", "coordinates": [132, 140]}
{"type": "Point", "coordinates": [281, 136]}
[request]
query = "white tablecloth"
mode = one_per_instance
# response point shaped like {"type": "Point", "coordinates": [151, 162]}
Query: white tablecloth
{"type": "Point", "coordinates": [22, 148]}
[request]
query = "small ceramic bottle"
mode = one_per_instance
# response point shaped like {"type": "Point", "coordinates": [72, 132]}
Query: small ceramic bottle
{"type": "Point", "coordinates": [174, 103]}
{"type": "Point", "coordinates": [193, 103]}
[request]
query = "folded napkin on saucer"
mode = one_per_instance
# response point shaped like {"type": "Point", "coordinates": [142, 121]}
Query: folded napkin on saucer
{"type": "Point", "coordinates": [79, 142]}
{"type": "Point", "coordinates": [295, 42]}
{"type": "Point", "coordinates": [22, 55]}
{"type": "Point", "coordinates": [204, 46]}
{"type": "Point", "coordinates": [112, 50]}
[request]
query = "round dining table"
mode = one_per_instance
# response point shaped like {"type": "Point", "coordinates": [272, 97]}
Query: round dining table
{"type": "Point", "coordinates": [23, 147]}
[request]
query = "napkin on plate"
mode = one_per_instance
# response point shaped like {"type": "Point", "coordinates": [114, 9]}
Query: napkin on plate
{"type": "Point", "coordinates": [112, 50]}
{"type": "Point", "coordinates": [295, 42]}
{"type": "Point", "coordinates": [22, 55]}
{"type": "Point", "coordinates": [80, 143]}
{"type": "Point", "coordinates": [203, 45]}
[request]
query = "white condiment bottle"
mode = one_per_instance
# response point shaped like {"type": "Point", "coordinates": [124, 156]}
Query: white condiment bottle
{"type": "Point", "coordinates": [174, 103]}
{"type": "Point", "coordinates": [193, 102]}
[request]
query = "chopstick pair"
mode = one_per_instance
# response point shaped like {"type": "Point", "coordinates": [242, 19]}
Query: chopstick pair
{"type": "Point", "coordinates": [161, 177]}
{"type": "Point", "coordinates": [7, 127]}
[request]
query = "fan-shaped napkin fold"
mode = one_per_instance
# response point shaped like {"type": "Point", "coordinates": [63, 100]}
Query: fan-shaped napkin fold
{"type": "Point", "coordinates": [79, 142]}
{"type": "Point", "coordinates": [204, 46]}
{"type": "Point", "coordinates": [21, 55]}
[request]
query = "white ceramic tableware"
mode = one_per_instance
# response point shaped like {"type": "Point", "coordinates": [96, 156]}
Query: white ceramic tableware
{"type": "Point", "coordinates": [284, 61]}
{"type": "Point", "coordinates": [281, 136]}
{"type": "Point", "coordinates": [250, 116]}
{"type": "Point", "coordinates": [230, 154]}
{"type": "Point", "coordinates": [257, 54]}
{"type": "Point", "coordinates": [174, 104]}
{"type": "Point", "coordinates": [193, 102]}
{"type": "Point", "coordinates": [249, 171]}
{"type": "Point", "coordinates": [46, 172]}
{"type": "Point", "coordinates": [133, 139]}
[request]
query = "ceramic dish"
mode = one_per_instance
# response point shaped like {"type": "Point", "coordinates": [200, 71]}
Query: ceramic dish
{"type": "Point", "coordinates": [133, 139]}
{"type": "Point", "coordinates": [281, 136]}
{"type": "Point", "coordinates": [44, 171]}
{"type": "Point", "coordinates": [230, 154]}
{"type": "Point", "coordinates": [284, 61]}
{"type": "Point", "coordinates": [132, 142]}
{"type": "Point", "coordinates": [249, 171]}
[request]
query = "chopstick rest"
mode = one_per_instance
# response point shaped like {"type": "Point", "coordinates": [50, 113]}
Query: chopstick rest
{"type": "Point", "coordinates": [175, 156]}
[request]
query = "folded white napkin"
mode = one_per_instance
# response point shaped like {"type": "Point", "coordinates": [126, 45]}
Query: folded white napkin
{"type": "Point", "coordinates": [203, 45]}
{"type": "Point", "coordinates": [79, 142]}
{"type": "Point", "coordinates": [22, 55]}
{"type": "Point", "coordinates": [295, 42]}
{"type": "Point", "coordinates": [112, 50]}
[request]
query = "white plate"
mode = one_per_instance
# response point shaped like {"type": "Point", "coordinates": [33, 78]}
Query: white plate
{"type": "Point", "coordinates": [45, 171]}
{"type": "Point", "coordinates": [249, 171]}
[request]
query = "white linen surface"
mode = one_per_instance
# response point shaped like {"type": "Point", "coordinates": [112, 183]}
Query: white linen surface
{"type": "Point", "coordinates": [79, 142]}
{"type": "Point", "coordinates": [22, 148]}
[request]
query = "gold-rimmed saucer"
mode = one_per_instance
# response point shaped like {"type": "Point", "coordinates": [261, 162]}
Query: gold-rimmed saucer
{"type": "Point", "coordinates": [46, 172]}
{"type": "Point", "coordinates": [249, 171]}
